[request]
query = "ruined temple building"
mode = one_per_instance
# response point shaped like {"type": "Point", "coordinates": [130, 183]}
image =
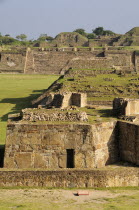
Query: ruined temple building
{"type": "Point", "coordinates": [63, 137]}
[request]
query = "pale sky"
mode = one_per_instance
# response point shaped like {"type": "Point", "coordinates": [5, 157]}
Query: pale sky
{"type": "Point", "coordinates": [35, 17]}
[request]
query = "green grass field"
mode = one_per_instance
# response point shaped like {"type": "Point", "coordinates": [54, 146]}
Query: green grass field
{"type": "Point", "coordinates": [17, 92]}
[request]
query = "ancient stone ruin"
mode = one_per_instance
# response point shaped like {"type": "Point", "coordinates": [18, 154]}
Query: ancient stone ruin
{"type": "Point", "coordinates": [70, 138]}
{"type": "Point", "coordinates": [59, 60]}
{"type": "Point", "coordinates": [64, 138]}
{"type": "Point", "coordinates": [125, 106]}
{"type": "Point", "coordinates": [62, 100]}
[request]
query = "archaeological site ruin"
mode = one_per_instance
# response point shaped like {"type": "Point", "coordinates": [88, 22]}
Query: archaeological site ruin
{"type": "Point", "coordinates": [83, 131]}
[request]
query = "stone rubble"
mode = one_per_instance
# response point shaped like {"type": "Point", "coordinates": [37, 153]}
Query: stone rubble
{"type": "Point", "coordinates": [34, 116]}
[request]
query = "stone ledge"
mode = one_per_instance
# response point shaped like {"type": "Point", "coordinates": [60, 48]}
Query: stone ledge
{"type": "Point", "coordinates": [69, 178]}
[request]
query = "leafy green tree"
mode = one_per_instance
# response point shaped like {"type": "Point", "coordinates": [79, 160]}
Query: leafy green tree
{"type": "Point", "coordinates": [45, 37]}
{"type": "Point", "coordinates": [80, 31]}
{"type": "Point", "coordinates": [6, 40]}
{"type": "Point", "coordinates": [91, 36]}
{"type": "Point", "coordinates": [49, 38]}
{"type": "Point", "coordinates": [8, 35]}
{"type": "Point", "coordinates": [99, 31]}
{"type": "Point", "coordinates": [21, 37]}
{"type": "Point", "coordinates": [108, 33]}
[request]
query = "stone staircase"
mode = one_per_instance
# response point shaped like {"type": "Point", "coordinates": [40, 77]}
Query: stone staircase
{"type": "Point", "coordinates": [29, 63]}
{"type": "Point", "coordinates": [45, 62]}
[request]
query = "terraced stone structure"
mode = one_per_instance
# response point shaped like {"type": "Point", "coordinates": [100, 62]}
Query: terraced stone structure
{"type": "Point", "coordinates": [59, 60]}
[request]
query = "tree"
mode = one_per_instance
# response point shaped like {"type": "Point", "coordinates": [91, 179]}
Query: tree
{"type": "Point", "coordinates": [49, 38]}
{"type": "Point", "coordinates": [7, 40]}
{"type": "Point", "coordinates": [99, 31]}
{"type": "Point", "coordinates": [108, 33]}
{"type": "Point", "coordinates": [8, 35]}
{"type": "Point", "coordinates": [80, 31]}
{"type": "Point", "coordinates": [21, 37]}
{"type": "Point", "coordinates": [91, 36]}
{"type": "Point", "coordinates": [45, 37]}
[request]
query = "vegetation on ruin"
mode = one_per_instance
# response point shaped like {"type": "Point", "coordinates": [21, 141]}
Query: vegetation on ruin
{"type": "Point", "coordinates": [101, 87]}
{"type": "Point", "coordinates": [17, 92]}
{"type": "Point", "coordinates": [134, 31]}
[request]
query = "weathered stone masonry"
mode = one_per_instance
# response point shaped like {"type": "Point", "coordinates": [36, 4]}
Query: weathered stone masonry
{"type": "Point", "coordinates": [12, 62]}
{"type": "Point", "coordinates": [129, 142]}
{"type": "Point", "coordinates": [120, 177]}
{"type": "Point", "coordinates": [56, 62]}
{"type": "Point", "coordinates": [48, 145]}
{"type": "Point", "coordinates": [59, 60]}
{"type": "Point", "coordinates": [33, 145]}
{"type": "Point", "coordinates": [126, 106]}
{"type": "Point", "coordinates": [61, 100]}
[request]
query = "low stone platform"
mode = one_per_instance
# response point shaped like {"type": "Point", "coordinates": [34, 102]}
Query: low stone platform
{"type": "Point", "coordinates": [111, 176]}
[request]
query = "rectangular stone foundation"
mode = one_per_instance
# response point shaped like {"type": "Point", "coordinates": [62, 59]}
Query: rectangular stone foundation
{"type": "Point", "coordinates": [45, 145]}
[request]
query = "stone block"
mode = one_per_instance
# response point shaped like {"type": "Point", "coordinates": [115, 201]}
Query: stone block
{"type": "Point", "coordinates": [39, 161]}
{"type": "Point", "coordinates": [9, 162]}
{"type": "Point", "coordinates": [23, 160]}
{"type": "Point", "coordinates": [62, 161]}
{"type": "Point", "coordinates": [79, 160]}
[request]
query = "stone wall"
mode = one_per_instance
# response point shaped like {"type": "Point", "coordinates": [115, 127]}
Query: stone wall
{"type": "Point", "coordinates": [70, 178]}
{"type": "Point", "coordinates": [62, 100]}
{"type": "Point", "coordinates": [100, 103]}
{"type": "Point", "coordinates": [100, 42]}
{"type": "Point", "coordinates": [137, 61]}
{"type": "Point", "coordinates": [129, 142]}
{"type": "Point", "coordinates": [122, 59]}
{"type": "Point", "coordinates": [74, 99]}
{"type": "Point", "coordinates": [35, 145]}
{"type": "Point", "coordinates": [125, 106]}
{"type": "Point", "coordinates": [11, 62]}
{"type": "Point", "coordinates": [59, 60]}
{"type": "Point", "coordinates": [92, 63]}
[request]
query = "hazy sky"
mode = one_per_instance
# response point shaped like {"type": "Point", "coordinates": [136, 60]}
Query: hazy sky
{"type": "Point", "coordinates": [34, 17]}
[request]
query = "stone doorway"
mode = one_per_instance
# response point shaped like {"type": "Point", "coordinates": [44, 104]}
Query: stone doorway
{"type": "Point", "coordinates": [70, 158]}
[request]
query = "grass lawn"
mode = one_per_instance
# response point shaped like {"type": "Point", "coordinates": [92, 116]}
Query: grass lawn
{"type": "Point", "coordinates": [17, 92]}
